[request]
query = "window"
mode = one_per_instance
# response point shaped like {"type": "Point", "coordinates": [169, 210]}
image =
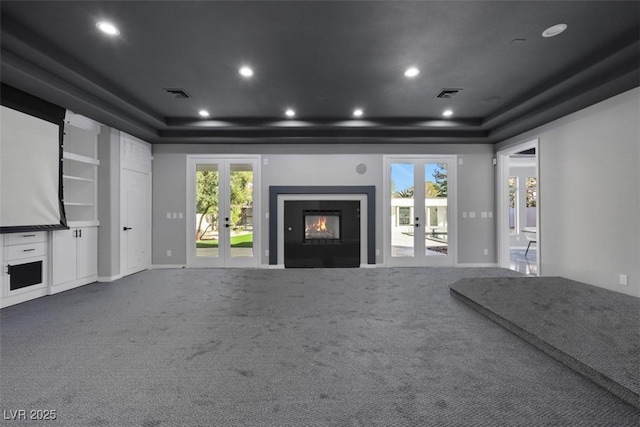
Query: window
{"type": "Point", "coordinates": [404, 215]}
{"type": "Point", "coordinates": [532, 201]}
{"type": "Point", "coordinates": [531, 192]}
{"type": "Point", "coordinates": [513, 205]}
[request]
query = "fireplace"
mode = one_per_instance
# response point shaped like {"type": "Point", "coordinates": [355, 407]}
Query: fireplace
{"type": "Point", "coordinates": [364, 195]}
{"type": "Point", "coordinates": [321, 225]}
{"type": "Point", "coordinates": [321, 233]}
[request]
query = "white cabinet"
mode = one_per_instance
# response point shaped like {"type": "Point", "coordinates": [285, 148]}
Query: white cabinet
{"type": "Point", "coordinates": [80, 170]}
{"type": "Point", "coordinates": [24, 267]}
{"type": "Point", "coordinates": [75, 258]}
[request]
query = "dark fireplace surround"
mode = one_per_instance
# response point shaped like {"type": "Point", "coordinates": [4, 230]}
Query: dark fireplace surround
{"type": "Point", "coordinates": [321, 233]}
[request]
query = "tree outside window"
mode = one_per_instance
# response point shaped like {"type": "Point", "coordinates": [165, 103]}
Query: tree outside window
{"type": "Point", "coordinates": [532, 184]}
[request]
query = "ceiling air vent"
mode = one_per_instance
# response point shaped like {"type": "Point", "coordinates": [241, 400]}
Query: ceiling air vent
{"type": "Point", "coordinates": [177, 92]}
{"type": "Point", "coordinates": [448, 93]}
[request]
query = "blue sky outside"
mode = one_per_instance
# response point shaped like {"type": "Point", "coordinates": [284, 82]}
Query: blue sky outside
{"type": "Point", "coordinates": [402, 174]}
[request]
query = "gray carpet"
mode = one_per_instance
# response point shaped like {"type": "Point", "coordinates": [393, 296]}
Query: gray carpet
{"type": "Point", "coordinates": [592, 330]}
{"type": "Point", "coordinates": [334, 347]}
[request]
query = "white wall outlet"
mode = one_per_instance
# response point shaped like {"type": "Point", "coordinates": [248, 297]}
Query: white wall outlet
{"type": "Point", "coordinates": [377, 252]}
{"type": "Point", "coordinates": [490, 214]}
{"type": "Point", "coordinates": [624, 279]}
{"type": "Point", "coordinates": [180, 215]}
{"type": "Point", "coordinates": [472, 214]}
{"type": "Point", "coordinates": [266, 215]}
{"type": "Point", "coordinates": [168, 252]}
{"type": "Point", "coordinates": [494, 161]}
{"type": "Point", "coordinates": [483, 214]}
{"type": "Point", "coordinates": [486, 251]}
{"type": "Point", "coordinates": [265, 161]}
{"type": "Point", "coordinates": [464, 214]}
{"type": "Point", "coordinates": [174, 215]}
{"type": "Point", "coordinates": [168, 215]}
{"type": "Point", "coordinates": [266, 253]}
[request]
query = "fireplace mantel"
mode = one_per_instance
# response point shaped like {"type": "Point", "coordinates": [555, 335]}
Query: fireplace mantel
{"type": "Point", "coordinates": [368, 191]}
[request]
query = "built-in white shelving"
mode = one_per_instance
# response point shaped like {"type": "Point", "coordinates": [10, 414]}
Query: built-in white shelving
{"type": "Point", "coordinates": [77, 178]}
{"type": "Point", "coordinates": [80, 169]}
{"type": "Point", "coordinates": [75, 251]}
{"type": "Point", "coordinates": [80, 158]}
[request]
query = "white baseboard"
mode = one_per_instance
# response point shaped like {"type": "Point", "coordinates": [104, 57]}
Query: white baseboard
{"type": "Point", "coordinates": [102, 279]}
{"type": "Point", "coordinates": [167, 266]}
{"type": "Point", "coordinates": [23, 297]}
{"type": "Point", "coordinates": [54, 289]}
{"type": "Point", "coordinates": [476, 264]}
{"type": "Point", "coordinates": [368, 265]}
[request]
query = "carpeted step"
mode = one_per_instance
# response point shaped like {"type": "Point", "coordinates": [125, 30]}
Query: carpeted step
{"type": "Point", "coordinates": [594, 331]}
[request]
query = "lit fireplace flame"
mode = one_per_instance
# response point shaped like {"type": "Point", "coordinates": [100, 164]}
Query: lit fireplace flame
{"type": "Point", "coordinates": [317, 227]}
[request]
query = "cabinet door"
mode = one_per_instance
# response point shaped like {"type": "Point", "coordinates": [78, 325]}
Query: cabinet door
{"type": "Point", "coordinates": [87, 247]}
{"type": "Point", "coordinates": [64, 256]}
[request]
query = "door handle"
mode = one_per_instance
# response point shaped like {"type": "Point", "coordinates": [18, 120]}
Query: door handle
{"type": "Point", "coordinates": [80, 233]}
{"type": "Point", "coordinates": [126, 228]}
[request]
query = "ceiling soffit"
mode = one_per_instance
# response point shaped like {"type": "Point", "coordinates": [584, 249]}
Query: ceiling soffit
{"type": "Point", "coordinates": [38, 66]}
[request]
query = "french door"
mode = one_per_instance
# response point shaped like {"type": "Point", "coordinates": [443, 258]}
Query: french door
{"type": "Point", "coordinates": [221, 231]}
{"type": "Point", "coordinates": [420, 210]}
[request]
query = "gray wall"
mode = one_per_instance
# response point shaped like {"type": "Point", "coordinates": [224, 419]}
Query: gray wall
{"type": "Point", "coordinates": [109, 204]}
{"type": "Point", "coordinates": [589, 193]}
{"type": "Point", "coordinates": [312, 164]}
{"type": "Point", "coordinates": [476, 193]}
{"type": "Point", "coordinates": [320, 169]}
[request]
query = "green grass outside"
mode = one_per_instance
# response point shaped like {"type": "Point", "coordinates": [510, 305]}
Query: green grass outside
{"type": "Point", "coordinates": [240, 241]}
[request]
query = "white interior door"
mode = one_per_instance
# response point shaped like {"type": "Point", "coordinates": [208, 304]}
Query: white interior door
{"type": "Point", "coordinates": [135, 221]}
{"type": "Point", "coordinates": [420, 213]}
{"type": "Point", "coordinates": [221, 231]}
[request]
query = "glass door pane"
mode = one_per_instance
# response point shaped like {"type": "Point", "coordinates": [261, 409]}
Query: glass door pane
{"type": "Point", "coordinates": [240, 210]}
{"type": "Point", "coordinates": [402, 210]}
{"type": "Point", "coordinates": [207, 210]}
{"type": "Point", "coordinates": [435, 209]}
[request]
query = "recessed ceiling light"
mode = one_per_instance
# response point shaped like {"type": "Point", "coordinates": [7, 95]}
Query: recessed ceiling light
{"type": "Point", "coordinates": [290, 112]}
{"type": "Point", "coordinates": [108, 28]}
{"type": "Point", "coordinates": [246, 71]}
{"type": "Point", "coordinates": [203, 113]}
{"type": "Point", "coordinates": [554, 30]}
{"type": "Point", "coordinates": [358, 112]}
{"type": "Point", "coordinates": [411, 72]}
{"type": "Point", "coordinates": [447, 113]}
